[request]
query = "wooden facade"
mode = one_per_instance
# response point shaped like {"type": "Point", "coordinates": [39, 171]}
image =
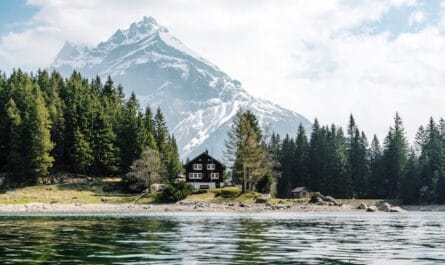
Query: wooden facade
{"type": "Point", "coordinates": [204, 172]}
{"type": "Point", "coordinates": [301, 192]}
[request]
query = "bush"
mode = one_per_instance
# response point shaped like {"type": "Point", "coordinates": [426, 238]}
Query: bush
{"type": "Point", "coordinates": [263, 186]}
{"type": "Point", "coordinates": [133, 185]}
{"type": "Point", "coordinates": [175, 192]}
{"type": "Point", "coordinates": [228, 192]}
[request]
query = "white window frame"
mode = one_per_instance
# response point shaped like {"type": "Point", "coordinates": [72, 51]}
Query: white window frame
{"type": "Point", "coordinates": [197, 166]}
{"type": "Point", "coordinates": [214, 175]}
{"type": "Point", "coordinates": [195, 175]}
{"type": "Point", "coordinates": [211, 166]}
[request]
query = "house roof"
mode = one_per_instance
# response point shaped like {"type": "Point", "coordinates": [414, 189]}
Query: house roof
{"type": "Point", "coordinates": [205, 153]}
{"type": "Point", "coordinates": [299, 189]}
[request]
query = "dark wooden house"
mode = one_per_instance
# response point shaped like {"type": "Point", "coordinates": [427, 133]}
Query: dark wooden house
{"type": "Point", "coordinates": [204, 172]}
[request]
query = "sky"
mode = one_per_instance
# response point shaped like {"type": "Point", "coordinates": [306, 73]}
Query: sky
{"type": "Point", "coordinates": [324, 59]}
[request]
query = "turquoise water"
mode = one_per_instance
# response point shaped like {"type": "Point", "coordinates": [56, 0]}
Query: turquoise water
{"type": "Point", "coordinates": [209, 238]}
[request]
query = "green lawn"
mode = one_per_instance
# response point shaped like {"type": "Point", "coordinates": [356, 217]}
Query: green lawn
{"type": "Point", "coordinates": [91, 191]}
{"type": "Point", "coordinates": [85, 192]}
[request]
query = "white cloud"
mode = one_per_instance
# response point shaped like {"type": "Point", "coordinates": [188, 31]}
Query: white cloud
{"type": "Point", "coordinates": [300, 54]}
{"type": "Point", "coordinates": [416, 17]}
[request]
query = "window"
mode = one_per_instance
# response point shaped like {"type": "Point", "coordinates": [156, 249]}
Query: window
{"type": "Point", "coordinates": [195, 175]}
{"type": "Point", "coordinates": [197, 166]}
{"type": "Point", "coordinates": [214, 175]}
{"type": "Point", "coordinates": [210, 166]}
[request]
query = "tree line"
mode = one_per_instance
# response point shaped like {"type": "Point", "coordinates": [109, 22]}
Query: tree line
{"type": "Point", "coordinates": [346, 165]}
{"type": "Point", "coordinates": [51, 124]}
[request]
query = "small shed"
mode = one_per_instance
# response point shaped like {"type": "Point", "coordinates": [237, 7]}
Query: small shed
{"type": "Point", "coordinates": [301, 192]}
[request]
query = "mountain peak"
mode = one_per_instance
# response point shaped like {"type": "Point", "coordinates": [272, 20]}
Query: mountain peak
{"type": "Point", "coordinates": [137, 31]}
{"type": "Point", "coordinates": [149, 20]}
{"type": "Point", "coordinates": [197, 98]}
{"type": "Point", "coordinates": [70, 51]}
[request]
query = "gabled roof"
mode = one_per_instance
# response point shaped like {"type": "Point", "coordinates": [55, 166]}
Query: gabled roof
{"type": "Point", "coordinates": [299, 189]}
{"type": "Point", "coordinates": [205, 153]}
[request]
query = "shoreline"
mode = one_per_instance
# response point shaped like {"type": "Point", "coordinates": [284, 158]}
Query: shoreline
{"type": "Point", "coordinates": [186, 206]}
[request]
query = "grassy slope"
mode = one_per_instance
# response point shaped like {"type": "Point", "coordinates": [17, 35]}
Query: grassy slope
{"type": "Point", "coordinates": [85, 192]}
{"type": "Point", "coordinates": [92, 192]}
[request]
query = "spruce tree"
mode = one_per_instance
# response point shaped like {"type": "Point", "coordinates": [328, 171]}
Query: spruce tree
{"type": "Point", "coordinates": [410, 184]}
{"type": "Point", "coordinates": [301, 158]}
{"type": "Point", "coordinates": [15, 161]}
{"type": "Point", "coordinates": [129, 134]}
{"type": "Point", "coordinates": [317, 156]}
{"type": "Point", "coordinates": [377, 181]}
{"type": "Point", "coordinates": [37, 126]}
{"type": "Point", "coordinates": [395, 157]}
{"type": "Point", "coordinates": [82, 154]}
{"type": "Point", "coordinates": [286, 159]}
{"type": "Point", "coordinates": [173, 165]}
{"type": "Point", "coordinates": [148, 130]}
{"type": "Point", "coordinates": [161, 135]}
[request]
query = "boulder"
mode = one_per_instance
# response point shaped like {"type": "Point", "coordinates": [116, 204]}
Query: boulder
{"type": "Point", "coordinates": [260, 200]}
{"type": "Point", "coordinates": [317, 197]}
{"type": "Point", "coordinates": [157, 187]}
{"type": "Point", "coordinates": [186, 203]}
{"type": "Point", "coordinates": [362, 206]}
{"type": "Point", "coordinates": [332, 200]}
{"type": "Point", "coordinates": [372, 209]}
{"type": "Point", "coordinates": [397, 210]}
{"type": "Point", "coordinates": [383, 206]}
{"type": "Point", "coordinates": [136, 187]}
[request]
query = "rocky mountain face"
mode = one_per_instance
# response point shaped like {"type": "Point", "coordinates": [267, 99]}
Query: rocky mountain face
{"type": "Point", "coordinates": [198, 99]}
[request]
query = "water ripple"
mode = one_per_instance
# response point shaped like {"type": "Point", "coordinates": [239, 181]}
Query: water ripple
{"type": "Point", "coordinates": [215, 238]}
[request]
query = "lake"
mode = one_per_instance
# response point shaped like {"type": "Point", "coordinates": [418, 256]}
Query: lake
{"type": "Point", "coordinates": [225, 238]}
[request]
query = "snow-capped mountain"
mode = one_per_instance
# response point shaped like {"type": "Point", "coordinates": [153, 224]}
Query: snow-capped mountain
{"type": "Point", "coordinates": [197, 98]}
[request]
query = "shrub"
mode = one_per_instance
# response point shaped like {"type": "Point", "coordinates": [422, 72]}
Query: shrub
{"type": "Point", "coordinates": [133, 185]}
{"type": "Point", "coordinates": [175, 192]}
{"type": "Point", "coordinates": [228, 192]}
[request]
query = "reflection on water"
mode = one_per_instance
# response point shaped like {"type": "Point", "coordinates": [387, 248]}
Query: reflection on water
{"type": "Point", "coordinates": [209, 238]}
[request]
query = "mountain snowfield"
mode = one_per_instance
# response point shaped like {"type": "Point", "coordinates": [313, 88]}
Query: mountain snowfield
{"type": "Point", "coordinates": [198, 99]}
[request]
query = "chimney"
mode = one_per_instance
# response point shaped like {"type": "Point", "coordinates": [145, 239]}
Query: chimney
{"type": "Point", "coordinates": [207, 152]}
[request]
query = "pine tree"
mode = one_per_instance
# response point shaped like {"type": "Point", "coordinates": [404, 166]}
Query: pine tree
{"type": "Point", "coordinates": [357, 163]}
{"type": "Point", "coordinates": [161, 135]}
{"type": "Point", "coordinates": [317, 156]}
{"type": "Point", "coordinates": [410, 184]}
{"type": "Point", "coordinates": [247, 151]}
{"type": "Point", "coordinates": [174, 165]}
{"type": "Point", "coordinates": [15, 162]}
{"type": "Point", "coordinates": [376, 182]}
{"type": "Point", "coordinates": [82, 153]}
{"type": "Point", "coordinates": [301, 158]}
{"type": "Point", "coordinates": [130, 136]}
{"type": "Point", "coordinates": [4, 127]}
{"type": "Point", "coordinates": [148, 132]}
{"type": "Point", "coordinates": [51, 86]}
{"type": "Point", "coordinates": [105, 152]}
{"type": "Point", "coordinates": [395, 157]}
{"type": "Point", "coordinates": [337, 180]}
{"type": "Point", "coordinates": [286, 159]}
{"type": "Point", "coordinates": [37, 126]}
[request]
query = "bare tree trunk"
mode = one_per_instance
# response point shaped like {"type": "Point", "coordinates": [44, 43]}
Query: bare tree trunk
{"type": "Point", "coordinates": [244, 179]}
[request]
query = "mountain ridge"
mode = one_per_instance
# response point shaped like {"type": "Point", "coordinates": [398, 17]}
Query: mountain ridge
{"type": "Point", "coordinates": [198, 99]}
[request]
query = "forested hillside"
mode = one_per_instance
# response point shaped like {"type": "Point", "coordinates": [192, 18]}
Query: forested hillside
{"type": "Point", "coordinates": [51, 124]}
{"type": "Point", "coordinates": [346, 165]}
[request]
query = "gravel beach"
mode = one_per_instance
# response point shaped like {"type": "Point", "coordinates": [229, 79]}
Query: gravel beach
{"type": "Point", "coordinates": [183, 206]}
